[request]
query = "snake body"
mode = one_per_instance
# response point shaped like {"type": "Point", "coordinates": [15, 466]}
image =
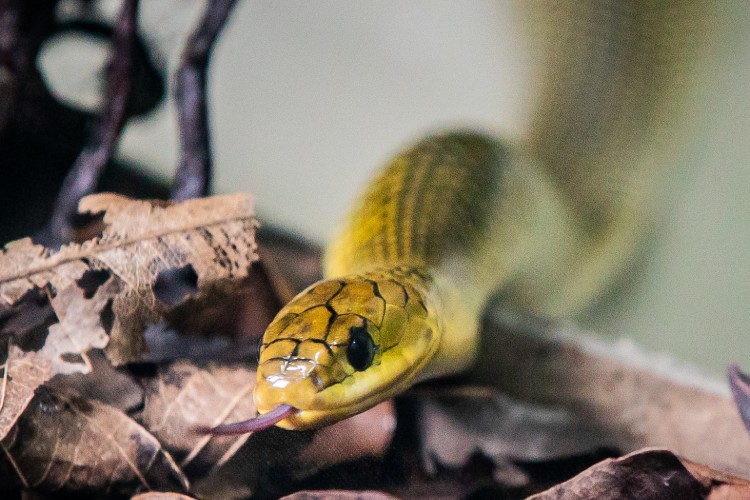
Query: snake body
{"type": "Point", "coordinates": [547, 220]}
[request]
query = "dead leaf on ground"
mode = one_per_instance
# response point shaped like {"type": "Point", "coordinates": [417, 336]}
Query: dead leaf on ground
{"type": "Point", "coordinates": [339, 495]}
{"type": "Point", "coordinates": [637, 398]}
{"type": "Point", "coordinates": [161, 495]}
{"type": "Point", "coordinates": [460, 421]}
{"type": "Point", "coordinates": [648, 474]}
{"type": "Point", "coordinates": [247, 469]}
{"type": "Point", "coordinates": [184, 396]}
{"type": "Point", "coordinates": [65, 442]}
{"type": "Point", "coordinates": [26, 372]}
{"type": "Point", "coordinates": [108, 384]}
{"type": "Point", "coordinates": [721, 486]}
{"type": "Point", "coordinates": [211, 238]}
{"type": "Point", "coordinates": [104, 291]}
{"type": "Point", "coordinates": [368, 434]}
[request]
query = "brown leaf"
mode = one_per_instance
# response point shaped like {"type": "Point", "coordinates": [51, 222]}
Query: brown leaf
{"type": "Point", "coordinates": [246, 470]}
{"type": "Point", "coordinates": [141, 240]}
{"type": "Point", "coordinates": [650, 474]}
{"type": "Point", "coordinates": [65, 442]}
{"type": "Point", "coordinates": [295, 456]}
{"type": "Point", "coordinates": [26, 372]}
{"type": "Point", "coordinates": [79, 328]}
{"type": "Point", "coordinates": [214, 235]}
{"type": "Point", "coordinates": [635, 398]}
{"type": "Point", "coordinates": [107, 384]}
{"type": "Point", "coordinates": [339, 495]}
{"type": "Point", "coordinates": [457, 422]}
{"type": "Point", "coordinates": [721, 486]}
{"type": "Point", "coordinates": [367, 434]}
{"type": "Point", "coordinates": [184, 396]}
{"type": "Point", "coordinates": [102, 290]}
{"type": "Point", "coordinates": [161, 495]}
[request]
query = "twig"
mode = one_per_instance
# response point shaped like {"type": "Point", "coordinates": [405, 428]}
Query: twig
{"type": "Point", "coordinates": [193, 176]}
{"type": "Point", "coordinates": [84, 175]}
{"type": "Point", "coordinates": [9, 35]}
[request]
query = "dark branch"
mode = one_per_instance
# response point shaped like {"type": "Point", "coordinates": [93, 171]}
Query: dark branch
{"type": "Point", "coordinates": [84, 175]}
{"type": "Point", "coordinates": [193, 175]}
{"type": "Point", "coordinates": [10, 17]}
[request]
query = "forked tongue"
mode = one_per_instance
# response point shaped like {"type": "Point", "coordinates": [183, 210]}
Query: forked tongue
{"type": "Point", "coordinates": [256, 424]}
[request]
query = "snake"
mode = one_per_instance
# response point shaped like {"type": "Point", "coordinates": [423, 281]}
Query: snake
{"type": "Point", "coordinates": [545, 221]}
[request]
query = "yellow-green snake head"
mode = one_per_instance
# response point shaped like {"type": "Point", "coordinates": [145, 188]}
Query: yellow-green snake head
{"type": "Point", "coordinates": [344, 345]}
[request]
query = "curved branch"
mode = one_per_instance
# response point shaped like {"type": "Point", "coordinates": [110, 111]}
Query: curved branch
{"type": "Point", "coordinates": [193, 176]}
{"type": "Point", "coordinates": [84, 175]}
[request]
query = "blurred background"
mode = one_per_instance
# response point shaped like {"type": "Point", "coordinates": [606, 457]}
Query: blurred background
{"type": "Point", "coordinates": [308, 99]}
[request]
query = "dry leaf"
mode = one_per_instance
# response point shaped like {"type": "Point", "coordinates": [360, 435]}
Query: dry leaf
{"type": "Point", "coordinates": [79, 328]}
{"type": "Point", "coordinates": [161, 495]}
{"type": "Point", "coordinates": [184, 396]}
{"type": "Point", "coordinates": [214, 236]}
{"type": "Point", "coordinates": [107, 384]}
{"type": "Point", "coordinates": [367, 434]}
{"type": "Point", "coordinates": [26, 372]}
{"type": "Point", "coordinates": [721, 486]}
{"type": "Point", "coordinates": [457, 422]}
{"type": "Point", "coordinates": [65, 442]}
{"type": "Point", "coordinates": [104, 291]}
{"type": "Point", "coordinates": [339, 495]}
{"type": "Point", "coordinates": [247, 469]}
{"type": "Point", "coordinates": [648, 474]}
{"type": "Point", "coordinates": [638, 400]}
{"type": "Point", "coordinates": [294, 456]}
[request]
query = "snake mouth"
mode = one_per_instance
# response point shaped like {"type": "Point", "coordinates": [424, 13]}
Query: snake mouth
{"type": "Point", "coordinates": [329, 408]}
{"type": "Point", "coordinates": [259, 423]}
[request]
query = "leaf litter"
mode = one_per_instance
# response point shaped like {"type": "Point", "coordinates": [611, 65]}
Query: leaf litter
{"type": "Point", "coordinates": [140, 241]}
{"type": "Point", "coordinates": [66, 442]}
{"type": "Point", "coordinates": [122, 429]}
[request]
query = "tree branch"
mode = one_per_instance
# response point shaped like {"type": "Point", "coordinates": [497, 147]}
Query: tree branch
{"type": "Point", "coordinates": [193, 176]}
{"type": "Point", "coordinates": [9, 33]}
{"type": "Point", "coordinates": [84, 175]}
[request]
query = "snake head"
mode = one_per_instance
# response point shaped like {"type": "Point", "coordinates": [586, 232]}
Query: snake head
{"type": "Point", "coordinates": [342, 346]}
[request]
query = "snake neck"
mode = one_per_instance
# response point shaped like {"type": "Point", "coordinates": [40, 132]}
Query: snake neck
{"type": "Point", "coordinates": [423, 218]}
{"type": "Point", "coordinates": [461, 216]}
{"type": "Point", "coordinates": [614, 80]}
{"type": "Point", "coordinates": [458, 216]}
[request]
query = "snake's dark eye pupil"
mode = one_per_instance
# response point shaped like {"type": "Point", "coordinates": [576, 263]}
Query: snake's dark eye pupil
{"type": "Point", "coordinates": [361, 348]}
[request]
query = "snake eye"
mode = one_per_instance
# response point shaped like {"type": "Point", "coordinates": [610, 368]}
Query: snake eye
{"type": "Point", "coordinates": [361, 350]}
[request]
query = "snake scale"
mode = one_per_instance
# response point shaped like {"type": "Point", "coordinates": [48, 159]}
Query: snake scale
{"type": "Point", "coordinates": [548, 220]}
